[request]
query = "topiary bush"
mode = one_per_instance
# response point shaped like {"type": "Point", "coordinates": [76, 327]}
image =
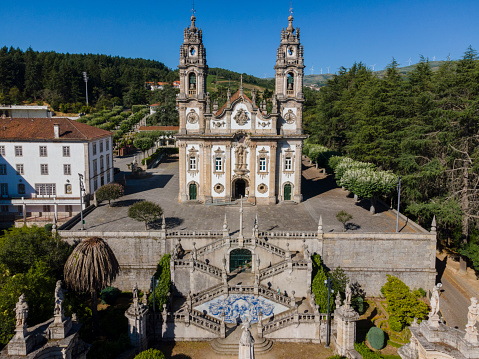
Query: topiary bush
{"type": "Point", "coordinates": [150, 354]}
{"type": "Point", "coordinates": [395, 324]}
{"type": "Point", "coordinates": [376, 338]}
{"type": "Point", "coordinates": [109, 295]}
{"type": "Point", "coordinates": [365, 352]}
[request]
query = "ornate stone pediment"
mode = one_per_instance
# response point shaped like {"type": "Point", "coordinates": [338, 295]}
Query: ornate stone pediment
{"type": "Point", "coordinates": [241, 117]}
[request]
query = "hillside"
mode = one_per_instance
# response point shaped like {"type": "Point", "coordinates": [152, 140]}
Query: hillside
{"type": "Point", "coordinates": [321, 80]}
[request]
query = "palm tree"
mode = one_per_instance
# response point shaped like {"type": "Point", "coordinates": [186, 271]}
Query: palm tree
{"type": "Point", "coordinates": [91, 267]}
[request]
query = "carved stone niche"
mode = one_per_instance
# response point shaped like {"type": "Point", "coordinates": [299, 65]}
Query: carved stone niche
{"type": "Point", "coordinates": [241, 165]}
{"type": "Point", "coordinates": [289, 117]}
{"type": "Point", "coordinates": [192, 117]}
{"type": "Point", "coordinates": [241, 117]}
{"type": "Point", "coordinates": [263, 154]}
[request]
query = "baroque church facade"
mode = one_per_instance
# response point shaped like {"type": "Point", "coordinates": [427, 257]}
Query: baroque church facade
{"type": "Point", "coordinates": [240, 150]}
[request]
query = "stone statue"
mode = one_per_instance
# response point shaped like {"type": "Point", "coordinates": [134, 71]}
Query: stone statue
{"type": "Point", "coordinates": [349, 294]}
{"type": "Point", "coordinates": [246, 343]}
{"type": "Point", "coordinates": [434, 302]}
{"type": "Point", "coordinates": [21, 311]}
{"type": "Point", "coordinates": [135, 294]}
{"type": "Point", "coordinates": [338, 300]}
{"type": "Point", "coordinates": [472, 317]}
{"type": "Point", "coordinates": [59, 298]}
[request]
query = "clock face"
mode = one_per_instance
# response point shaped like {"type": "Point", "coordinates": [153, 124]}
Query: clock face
{"type": "Point", "coordinates": [192, 51]}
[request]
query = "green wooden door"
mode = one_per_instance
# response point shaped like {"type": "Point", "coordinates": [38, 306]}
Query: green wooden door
{"type": "Point", "coordinates": [240, 258]}
{"type": "Point", "coordinates": [287, 192]}
{"type": "Point", "coordinates": [193, 191]}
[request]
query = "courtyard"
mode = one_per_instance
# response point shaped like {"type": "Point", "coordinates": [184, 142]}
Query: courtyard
{"type": "Point", "coordinates": [321, 197]}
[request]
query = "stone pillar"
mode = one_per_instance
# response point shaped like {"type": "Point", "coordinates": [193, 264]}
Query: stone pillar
{"type": "Point", "coordinates": [273, 173]}
{"type": "Point", "coordinates": [228, 164]}
{"type": "Point", "coordinates": [183, 195]}
{"type": "Point", "coordinates": [345, 319]}
{"type": "Point", "coordinates": [260, 324]}
{"type": "Point", "coordinates": [223, 325]}
{"type": "Point", "coordinates": [252, 171]}
{"type": "Point", "coordinates": [137, 318]}
{"type": "Point", "coordinates": [298, 197]}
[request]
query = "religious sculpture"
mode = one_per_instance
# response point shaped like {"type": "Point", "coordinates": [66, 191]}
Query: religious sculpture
{"type": "Point", "coordinates": [434, 301]}
{"type": "Point", "coordinates": [472, 316]}
{"type": "Point", "coordinates": [246, 343]}
{"type": "Point", "coordinates": [349, 294]}
{"type": "Point", "coordinates": [21, 312]}
{"type": "Point", "coordinates": [241, 117]}
{"type": "Point", "coordinates": [59, 298]}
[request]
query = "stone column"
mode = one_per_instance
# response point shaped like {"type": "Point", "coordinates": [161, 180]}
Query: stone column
{"type": "Point", "coordinates": [273, 173]}
{"type": "Point", "coordinates": [208, 158]}
{"type": "Point", "coordinates": [228, 164]}
{"type": "Point", "coordinates": [183, 195]}
{"type": "Point", "coordinates": [298, 197]}
{"type": "Point", "coordinates": [345, 319]}
{"type": "Point", "coordinates": [137, 318]}
{"type": "Point", "coordinates": [252, 173]}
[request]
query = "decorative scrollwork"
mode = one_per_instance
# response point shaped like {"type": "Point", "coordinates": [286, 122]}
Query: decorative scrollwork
{"type": "Point", "coordinates": [219, 124]}
{"type": "Point", "coordinates": [192, 117]}
{"type": "Point", "coordinates": [264, 124]}
{"type": "Point", "coordinates": [262, 188]}
{"type": "Point", "coordinates": [290, 117]}
{"type": "Point", "coordinates": [241, 117]}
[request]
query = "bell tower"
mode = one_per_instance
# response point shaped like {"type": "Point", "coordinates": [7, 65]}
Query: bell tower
{"type": "Point", "coordinates": [193, 71]}
{"type": "Point", "coordinates": [289, 64]}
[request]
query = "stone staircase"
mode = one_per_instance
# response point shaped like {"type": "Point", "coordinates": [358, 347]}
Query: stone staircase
{"type": "Point", "coordinates": [230, 344]}
{"type": "Point", "coordinates": [217, 244]}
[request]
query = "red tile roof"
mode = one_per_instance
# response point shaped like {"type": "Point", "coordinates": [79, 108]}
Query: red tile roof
{"type": "Point", "coordinates": [159, 128]}
{"type": "Point", "coordinates": [42, 129]}
{"type": "Point", "coordinates": [233, 98]}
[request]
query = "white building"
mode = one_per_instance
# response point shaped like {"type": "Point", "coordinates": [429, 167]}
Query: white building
{"type": "Point", "coordinates": [40, 163]}
{"type": "Point", "coordinates": [18, 111]}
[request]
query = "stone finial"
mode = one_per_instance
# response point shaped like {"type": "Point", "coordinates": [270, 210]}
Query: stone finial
{"type": "Point", "coordinates": [320, 225]}
{"type": "Point", "coordinates": [275, 105]}
{"type": "Point", "coordinates": [215, 105]}
{"type": "Point", "coordinates": [144, 300]}
{"type": "Point", "coordinates": [208, 103]}
{"type": "Point", "coordinates": [163, 222]}
{"type": "Point", "coordinates": [253, 97]}
{"type": "Point", "coordinates": [225, 224]}
{"type": "Point", "coordinates": [241, 85]}
{"type": "Point", "coordinates": [433, 225]}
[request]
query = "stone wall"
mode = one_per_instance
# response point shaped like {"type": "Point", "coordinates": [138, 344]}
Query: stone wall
{"type": "Point", "coordinates": [365, 257]}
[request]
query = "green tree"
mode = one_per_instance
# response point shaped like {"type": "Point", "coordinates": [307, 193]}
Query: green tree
{"type": "Point", "coordinates": [91, 267]}
{"type": "Point", "coordinates": [145, 211]}
{"type": "Point", "coordinates": [401, 302]}
{"type": "Point", "coordinates": [163, 286]}
{"type": "Point", "coordinates": [109, 192]}
{"type": "Point", "coordinates": [344, 217]}
{"type": "Point", "coordinates": [150, 354]}
{"type": "Point", "coordinates": [21, 248]}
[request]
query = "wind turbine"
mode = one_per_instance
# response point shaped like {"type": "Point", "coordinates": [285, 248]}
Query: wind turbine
{"type": "Point", "coordinates": [328, 69]}
{"type": "Point", "coordinates": [434, 58]}
{"type": "Point", "coordinates": [312, 70]}
{"type": "Point", "coordinates": [409, 61]}
{"type": "Point", "coordinates": [373, 66]}
{"type": "Point", "coordinates": [449, 57]}
{"type": "Point", "coordinates": [321, 70]}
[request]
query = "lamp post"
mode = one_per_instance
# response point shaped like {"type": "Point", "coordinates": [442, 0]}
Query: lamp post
{"type": "Point", "coordinates": [82, 189]}
{"type": "Point", "coordinates": [399, 201]}
{"type": "Point", "coordinates": [328, 284]}
{"type": "Point", "coordinates": [85, 78]}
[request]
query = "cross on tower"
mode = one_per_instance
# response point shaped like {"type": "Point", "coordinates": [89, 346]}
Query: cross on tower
{"type": "Point", "coordinates": [193, 11]}
{"type": "Point", "coordinates": [291, 8]}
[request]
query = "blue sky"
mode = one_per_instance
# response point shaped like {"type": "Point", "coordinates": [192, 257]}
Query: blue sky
{"type": "Point", "coordinates": [243, 36]}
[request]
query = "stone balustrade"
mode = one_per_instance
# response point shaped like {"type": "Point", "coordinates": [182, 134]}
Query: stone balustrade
{"type": "Point", "coordinates": [273, 270]}
{"type": "Point", "coordinates": [192, 234]}
{"type": "Point", "coordinates": [208, 295]}
{"type": "Point", "coordinates": [207, 268]}
{"type": "Point", "coordinates": [291, 317]}
{"type": "Point", "coordinates": [287, 234]}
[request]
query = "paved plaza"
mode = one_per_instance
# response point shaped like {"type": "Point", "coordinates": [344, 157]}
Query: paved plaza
{"type": "Point", "coordinates": [321, 197]}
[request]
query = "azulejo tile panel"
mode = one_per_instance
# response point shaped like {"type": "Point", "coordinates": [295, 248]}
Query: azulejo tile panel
{"type": "Point", "coordinates": [241, 306]}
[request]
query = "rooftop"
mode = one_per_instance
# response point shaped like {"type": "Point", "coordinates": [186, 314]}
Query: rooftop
{"type": "Point", "coordinates": [30, 129]}
{"type": "Point", "coordinates": [321, 197]}
{"type": "Point", "coordinates": [23, 107]}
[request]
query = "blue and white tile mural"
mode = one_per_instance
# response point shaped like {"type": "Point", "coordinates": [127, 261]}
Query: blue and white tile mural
{"type": "Point", "coordinates": [244, 306]}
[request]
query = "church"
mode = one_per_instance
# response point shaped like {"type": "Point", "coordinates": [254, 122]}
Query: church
{"type": "Point", "coordinates": [240, 150]}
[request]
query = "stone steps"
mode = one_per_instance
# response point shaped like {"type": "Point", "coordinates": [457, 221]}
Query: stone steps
{"type": "Point", "coordinates": [230, 344]}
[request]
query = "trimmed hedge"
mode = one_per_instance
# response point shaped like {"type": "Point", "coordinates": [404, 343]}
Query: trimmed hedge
{"type": "Point", "coordinates": [150, 354]}
{"type": "Point", "coordinates": [109, 295]}
{"type": "Point", "coordinates": [376, 338]}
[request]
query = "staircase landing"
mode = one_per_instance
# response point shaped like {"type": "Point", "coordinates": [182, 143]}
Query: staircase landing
{"type": "Point", "coordinates": [230, 344]}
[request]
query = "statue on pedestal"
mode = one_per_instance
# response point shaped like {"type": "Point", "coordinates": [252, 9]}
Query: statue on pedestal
{"type": "Point", "coordinates": [21, 312]}
{"type": "Point", "coordinates": [433, 320]}
{"type": "Point", "coordinates": [59, 298]}
{"type": "Point", "coordinates": [246, 342]}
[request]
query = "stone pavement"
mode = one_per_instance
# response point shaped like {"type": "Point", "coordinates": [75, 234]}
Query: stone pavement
{"type": "Point", "coordinates": [321, 197]}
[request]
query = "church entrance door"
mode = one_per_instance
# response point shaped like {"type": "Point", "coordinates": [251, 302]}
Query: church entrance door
{"type": "Point", "coordinates": [287, 192]}
{"type": "Point", "coordinates": [240, 188]}
{"type": "Point", "coordinates": [240, 259]}
{"type": "Point", "coordinates": [193, 191]}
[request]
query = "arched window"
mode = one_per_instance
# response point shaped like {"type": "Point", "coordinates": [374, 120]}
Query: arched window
{"type": "Point", "coordinates": [290, 84]}
{"type": "Point", "coordinates": [240, 259]}
{"type": "Point", "coordinates": [192, 84]}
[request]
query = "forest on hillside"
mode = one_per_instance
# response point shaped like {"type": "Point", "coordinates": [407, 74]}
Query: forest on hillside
{"type": "Point", "coordinates": [423, 126]}
{"type": "Point", "coordinates": [57, 78]}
